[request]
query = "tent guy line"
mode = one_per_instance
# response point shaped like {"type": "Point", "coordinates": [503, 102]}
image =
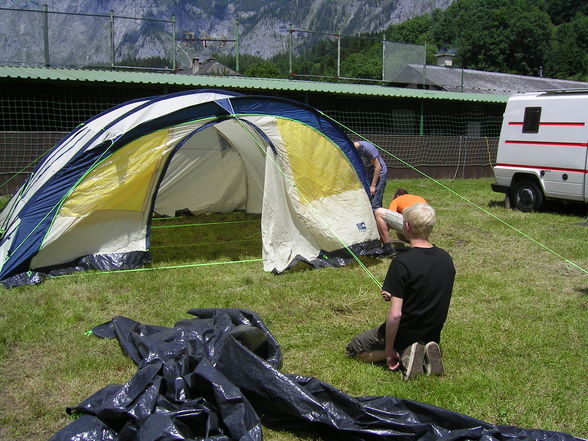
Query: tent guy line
{"type": "Point", "coordinates": [26, 167]}
{"type": "Point", "coordinates": [469, 201]}
{"type": "Point", "coordinates": [203, 224]}
{"type": "Point", "coordinates": [171, 267]}
{"type": "Point", "coordinates": [199, 244]}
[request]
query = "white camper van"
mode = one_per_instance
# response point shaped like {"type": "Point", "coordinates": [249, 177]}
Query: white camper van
{"type": "Point", "coordinates": [543, 149]}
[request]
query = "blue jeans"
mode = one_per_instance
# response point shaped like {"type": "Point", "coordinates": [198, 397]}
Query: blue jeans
{"type": "Point", "coordinates": [376, 199]}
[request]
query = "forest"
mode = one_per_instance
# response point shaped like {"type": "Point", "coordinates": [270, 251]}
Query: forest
{"type": "Point", "coordinates": [526, 37]}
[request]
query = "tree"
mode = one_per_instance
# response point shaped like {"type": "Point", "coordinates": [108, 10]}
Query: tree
{"type": "Point", "coordinates": [568, 56]}
{"type": "Point", "coordinates": [496, 35]}
{"type": "Point", "coordinates": [416, 30]}
{"type": "Point", "coordinates": [361, 66]}
{"type": "Point", "coordinates": [564, 11]}
{"type": "Point", "coordinates": [263, 70]}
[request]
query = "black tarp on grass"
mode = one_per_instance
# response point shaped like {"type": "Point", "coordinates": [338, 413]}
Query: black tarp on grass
{"type": "Point", "coordinates": [217, 377]}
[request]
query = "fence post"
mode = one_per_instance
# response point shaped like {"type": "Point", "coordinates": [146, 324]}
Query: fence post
{"type": "Point", "coordinates": [46, 35]}
{"type": "Point", "coordinates": [290, 52]}
{"type": "Point", "coordinates": [339, 55]}
{"type": "Point", "coordinates": [174, 43]}
{"type": "Point", "coordinates": [422, 118]}
{"type": "Point", "coordinates": [237, 46]}
{"type": "Point", "coordinates": [112, 55]}
{"type": "Point", "coordinates": [384, 58]}
{"type": "Point", "coordinates": [425, 67]}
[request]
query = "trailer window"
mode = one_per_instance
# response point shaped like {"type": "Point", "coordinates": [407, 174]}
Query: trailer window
{"type": "Point", "coordinates": [532, 118]}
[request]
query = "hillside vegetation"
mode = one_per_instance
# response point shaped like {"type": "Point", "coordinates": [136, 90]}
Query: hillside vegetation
{"type": "Point", "coordinates": [525, 37]}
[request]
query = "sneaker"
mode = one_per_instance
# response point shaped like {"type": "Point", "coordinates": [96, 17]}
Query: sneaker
{"type": "Point", "coordinates": [412, 360]}
{"type": "Point", "coordinates": [432, 363]}
{"type": "Point", "coordinates": [388, 250]}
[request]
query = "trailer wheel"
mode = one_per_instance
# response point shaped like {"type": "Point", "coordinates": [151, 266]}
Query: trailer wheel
{"type": "Point", "coordinates": [527, 196]}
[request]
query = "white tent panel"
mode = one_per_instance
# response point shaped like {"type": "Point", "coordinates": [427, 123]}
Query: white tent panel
{"type": "Point", "coordinates": [102, 233]}
{"type": "Point", "coordinates": [282, 237]}
{"type": "Point", "coordinates": [157, 109]}
{"type": "Point", "coordinates": [202, 178]}
{"type": "Point", "coordinates": [246, 140]}
{"type": "Point", "coordinates": [296, 224]}
{"type": "Point", "coordinates": [109, 117]}
{"type": "Point", "coordinates": [293, 228]}
{"type": "Point", "coordinates": [337, 221]}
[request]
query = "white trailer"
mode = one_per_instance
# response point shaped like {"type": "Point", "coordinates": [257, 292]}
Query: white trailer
{"type": "Point", "coordinates": [543, 149]}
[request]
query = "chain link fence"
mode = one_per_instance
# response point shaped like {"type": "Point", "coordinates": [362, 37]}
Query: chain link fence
{"type": "Point", "coordinates": [62, 39]}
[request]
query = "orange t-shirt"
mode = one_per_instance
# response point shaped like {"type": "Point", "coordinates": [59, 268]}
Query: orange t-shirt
{"type": "Point", "coordinates": [405, 201]}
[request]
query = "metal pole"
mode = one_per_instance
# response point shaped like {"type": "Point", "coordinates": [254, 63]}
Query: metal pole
{"type": "Point", "coordinates": [237, 47]}
{"type": "Point", "coordinates": [112, 54]}
{"type": "Point", "coordinates": [290, 52]}
{"type": "Point", "coordinates": [422, 119]}
{"type": "Point", "coordinates": [339, 55]}
{"type": "Point", "coordinates": [384, 58]}
{"type": "Point", "coordinates": [425, 67]}
{"type": "Point", "coordinates": [174, 43]}
{"type": "Point", "coordinates": [46, 35]}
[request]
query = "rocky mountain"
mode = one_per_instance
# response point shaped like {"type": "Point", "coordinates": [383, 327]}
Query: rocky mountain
{"type": "Point", "coordinates": [201, 26]}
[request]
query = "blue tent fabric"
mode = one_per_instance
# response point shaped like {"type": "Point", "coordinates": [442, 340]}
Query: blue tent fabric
{"type": "Point", "coordinates": [37, 215]}
{"type": "Point", "coordinates": [217, 377]}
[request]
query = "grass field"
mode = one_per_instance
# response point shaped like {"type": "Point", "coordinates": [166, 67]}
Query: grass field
{"type": "Point", "coordinates": [515, 343]}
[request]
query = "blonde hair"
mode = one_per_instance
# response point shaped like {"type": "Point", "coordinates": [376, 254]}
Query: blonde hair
{"type": "Point", "coordinates": [421, 218]}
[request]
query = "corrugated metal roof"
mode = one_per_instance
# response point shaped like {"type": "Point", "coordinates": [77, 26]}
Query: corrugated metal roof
{"type": "Point", "coordinates": [456, 79]}
{"type": "Point", "coordinates": [247, 83]}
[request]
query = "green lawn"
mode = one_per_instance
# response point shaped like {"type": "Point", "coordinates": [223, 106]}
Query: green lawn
{"type": "Point", "coordinates": [514, 344]}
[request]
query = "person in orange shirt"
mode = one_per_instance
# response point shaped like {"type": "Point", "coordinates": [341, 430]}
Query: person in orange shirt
{"type": "Point", "coordinates": [391, 218]}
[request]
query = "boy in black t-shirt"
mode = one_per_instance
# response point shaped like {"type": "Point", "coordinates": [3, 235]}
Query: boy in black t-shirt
{"type": "Point", "coordinates": [418, 286]}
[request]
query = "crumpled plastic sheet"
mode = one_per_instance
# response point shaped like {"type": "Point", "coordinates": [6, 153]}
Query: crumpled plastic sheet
{"type": "Point", "coordinates": [216, 377]}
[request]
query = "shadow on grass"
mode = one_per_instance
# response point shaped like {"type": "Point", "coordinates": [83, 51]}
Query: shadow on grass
{"type": "Point", "coordinates": [219, 237]}
{"type": "Point", "coordinates": [186, 253]}
{"type": "Point", "coordinates": [215, 237]}
{"type": "Point", "coordinates": [220, 250]}
{"type": "Point", "coordinates": [566, 209]}
{"type": "Point", "coordinates": [561, 208]}
{"type": "Point", "coordinates": [493, 204]}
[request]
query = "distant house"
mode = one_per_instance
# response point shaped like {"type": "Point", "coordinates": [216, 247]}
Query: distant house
{"type": "Point", "coordinates": [208, 67]}
{"type": "Point", "coordinates": [455, 79]}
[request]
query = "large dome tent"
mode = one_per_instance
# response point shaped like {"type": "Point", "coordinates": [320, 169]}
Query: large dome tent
{"type": "Point", "coordinates": [90, 201]}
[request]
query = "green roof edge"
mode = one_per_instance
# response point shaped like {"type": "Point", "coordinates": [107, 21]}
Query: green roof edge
{"type": "Point", "coordinates": [220, 82]}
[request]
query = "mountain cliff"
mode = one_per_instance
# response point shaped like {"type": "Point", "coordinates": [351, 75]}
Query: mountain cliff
{"type": "Point", "coordinates": [263, 26]}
